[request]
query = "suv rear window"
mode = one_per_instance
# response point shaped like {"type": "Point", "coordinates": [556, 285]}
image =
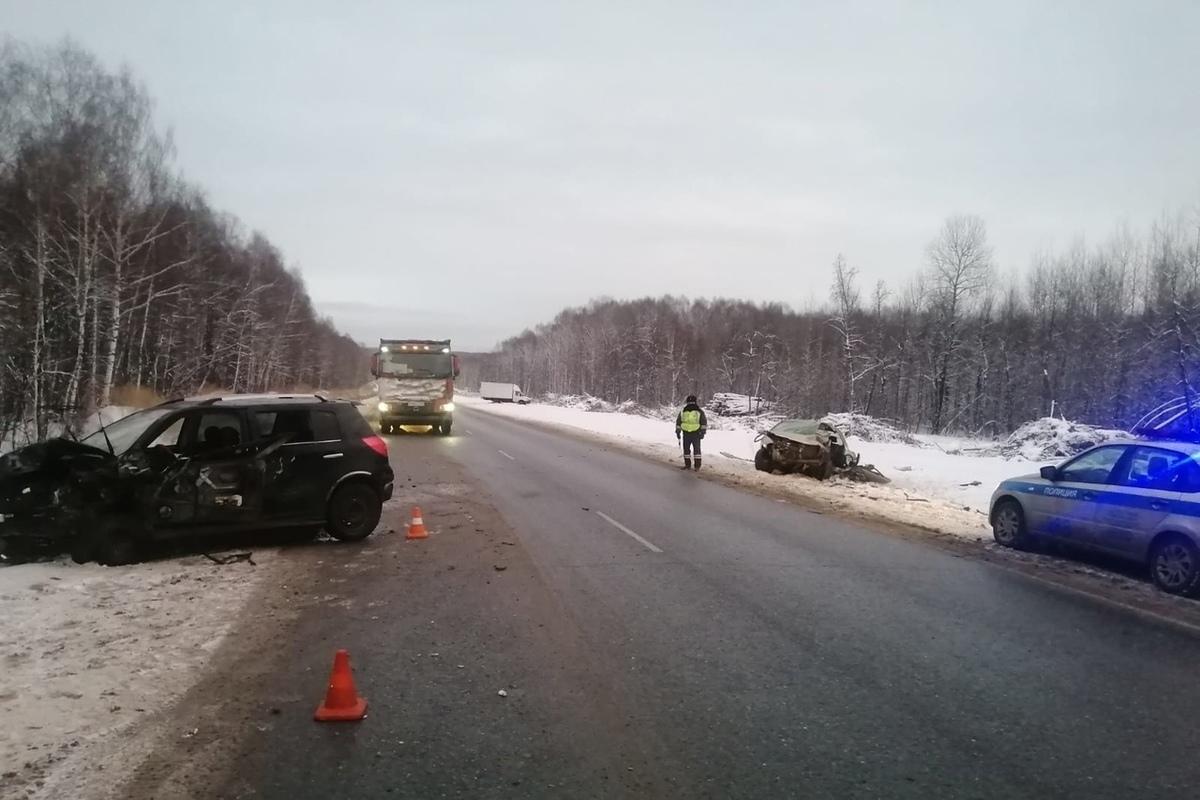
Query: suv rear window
{"type": "Point", "coordinates": [300, 424]}
{"type": "Point", "coordinates": [354, 422]}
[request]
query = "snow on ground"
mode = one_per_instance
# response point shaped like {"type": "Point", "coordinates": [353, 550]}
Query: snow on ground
{"type": "Point", "coordinates": [87, 652]}
{"type": "Point", "coordinates": [927, 488]}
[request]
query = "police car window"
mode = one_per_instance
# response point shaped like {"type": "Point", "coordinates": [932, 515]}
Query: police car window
{"type": "Point", "coordinates": [1093, 467]}
{"type": "Point", "coordinates": [1189, 477]}
{"type": "Point", "coordinates": [1152, 468]}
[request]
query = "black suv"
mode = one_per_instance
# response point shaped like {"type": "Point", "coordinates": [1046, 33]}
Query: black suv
{"type": "Point", "coordinates": [195, 468]}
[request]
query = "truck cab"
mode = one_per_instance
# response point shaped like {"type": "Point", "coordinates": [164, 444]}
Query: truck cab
{"type": "Point", "coordinates": [416, 383]}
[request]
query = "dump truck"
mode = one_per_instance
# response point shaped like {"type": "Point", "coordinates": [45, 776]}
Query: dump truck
{"type": "Point", "coordinates": [415, 378]}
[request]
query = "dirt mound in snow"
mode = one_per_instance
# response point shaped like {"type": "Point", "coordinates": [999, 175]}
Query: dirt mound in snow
{"type": "Point", "coordinates": [1048, 439]}
{"type": "Point", "coordinates": [870, 429]}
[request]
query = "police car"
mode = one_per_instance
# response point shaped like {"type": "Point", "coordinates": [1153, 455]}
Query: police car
{"type": "Point", "coordinates": [1139, 500]}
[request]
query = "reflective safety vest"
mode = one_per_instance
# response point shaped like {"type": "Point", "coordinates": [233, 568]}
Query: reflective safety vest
{"type": "Point", "coordinates": [689, 421]}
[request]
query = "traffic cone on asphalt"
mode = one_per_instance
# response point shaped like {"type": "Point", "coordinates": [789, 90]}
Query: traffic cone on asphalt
{"type": "Point", "coordinates": [416, 528]}
{"type": "Point", "coordinates": [342, 703]}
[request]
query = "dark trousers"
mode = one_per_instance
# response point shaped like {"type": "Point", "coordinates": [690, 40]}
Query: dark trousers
{"type": "Point", "coordinates": [691, 442]}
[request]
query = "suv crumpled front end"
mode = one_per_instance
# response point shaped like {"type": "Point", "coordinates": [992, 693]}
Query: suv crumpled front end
{"type": "Point", "coordinates": [47, 490]}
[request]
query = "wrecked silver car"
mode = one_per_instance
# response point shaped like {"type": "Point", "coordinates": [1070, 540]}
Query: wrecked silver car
{"type": "Point", "coordinates": [809, 446]}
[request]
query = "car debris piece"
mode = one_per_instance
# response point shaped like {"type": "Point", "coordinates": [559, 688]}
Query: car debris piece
{"type": "Point", "coordinates": [232, 558]}
{"type": "Point", "coordinates": [503, 693]}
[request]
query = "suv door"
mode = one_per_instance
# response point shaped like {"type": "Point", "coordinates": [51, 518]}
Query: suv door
{"type": "Point", "coordinates": [215, 480]}
{"type": "Point", "coordinates": [302, 471]}
{"type": "Point", "coordinates": [1070, 502]}
{"type": "Point", "coordinates": [1144, 491]}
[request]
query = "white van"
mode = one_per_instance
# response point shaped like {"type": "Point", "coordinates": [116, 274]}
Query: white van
{"type": "Point", "coordinates": [502, 393]}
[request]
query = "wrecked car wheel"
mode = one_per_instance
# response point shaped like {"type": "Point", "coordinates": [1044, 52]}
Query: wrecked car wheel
{"type": "Point", "coordinates": [354, 511]}
{"type": "Point", "coordinates": [112, 548]}
{"type": "Point", "coordinates": [762, 460]}
{"type": "Point", "coordinates": [83, 550]}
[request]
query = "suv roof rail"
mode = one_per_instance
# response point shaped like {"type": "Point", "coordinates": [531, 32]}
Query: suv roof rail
{"type": "Point", "coordinates": [264, 397]}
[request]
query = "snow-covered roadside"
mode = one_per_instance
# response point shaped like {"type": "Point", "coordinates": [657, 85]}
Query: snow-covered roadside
{"type": "Point", "coordinates": [87, 652]}
{"type": "Point", "coordinates": [90, 424]}
{"type": "Point", "coordinates": [927, 488]}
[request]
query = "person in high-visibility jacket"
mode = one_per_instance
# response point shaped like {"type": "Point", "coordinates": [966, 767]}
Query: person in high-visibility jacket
{"type": "Point", "coordinates": [690, 426]}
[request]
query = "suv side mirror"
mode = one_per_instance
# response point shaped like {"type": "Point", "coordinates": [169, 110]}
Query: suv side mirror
{"type": "Point", "coordinates": [1050, 473]}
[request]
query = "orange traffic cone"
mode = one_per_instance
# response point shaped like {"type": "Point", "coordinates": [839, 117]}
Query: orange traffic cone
{"type": "Point", "coordinates": [342, 703]}
{"type": "Point", "coordinates": [416, 528]}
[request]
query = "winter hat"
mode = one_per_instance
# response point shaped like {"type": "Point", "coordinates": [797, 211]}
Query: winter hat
{"type": "Point", "coordinates": [691, 398]}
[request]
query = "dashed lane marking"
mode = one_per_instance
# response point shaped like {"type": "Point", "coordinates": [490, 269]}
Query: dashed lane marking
{"type": "Point", "coordinates": [645, 542]}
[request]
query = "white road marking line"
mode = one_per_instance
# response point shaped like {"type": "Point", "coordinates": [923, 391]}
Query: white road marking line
{"type": "Point", "coordinates": [506, 455]}
{"type": "Point", "coordinates": [467, 432]}
{"type": "Point", "coordinates": [649, 545]}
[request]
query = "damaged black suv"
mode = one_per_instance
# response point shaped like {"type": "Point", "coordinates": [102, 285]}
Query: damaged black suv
{"type": "Point", "coordinates": [192, 468]}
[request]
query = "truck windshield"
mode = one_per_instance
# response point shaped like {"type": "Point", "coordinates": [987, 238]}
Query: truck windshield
{"type": "Point", "coordinates": [415, 365]}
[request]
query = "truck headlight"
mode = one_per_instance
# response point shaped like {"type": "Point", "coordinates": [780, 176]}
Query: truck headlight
{"type": "Point", "coordinates": [383, 407]}
{"type": "Point", "coordinates": [447, 406]}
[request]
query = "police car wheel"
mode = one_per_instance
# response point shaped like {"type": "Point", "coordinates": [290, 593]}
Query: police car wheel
{"type": "Point", "coordinates": [1008, 525]}
{"type": "Point", "coordinates": [1175, 566]}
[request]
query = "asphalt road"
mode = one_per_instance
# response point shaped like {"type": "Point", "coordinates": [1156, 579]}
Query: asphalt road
{"type": "Point", "coordinates": [662, 635]}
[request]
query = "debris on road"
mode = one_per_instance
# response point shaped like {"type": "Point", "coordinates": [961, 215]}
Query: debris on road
{"type": "Point", "coordinates": [231, 558]}
{"type": "Point", "coordinates": [499, 567]}
{"type": "Point", "coordinates": [503, 693]}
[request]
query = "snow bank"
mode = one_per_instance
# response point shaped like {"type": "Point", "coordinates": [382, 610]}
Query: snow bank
{"type": "Point", "coordinates": [870, 429]}
{"type": "Point", "coordinates": [931, 488]}
{"type": "Point", "coordinates": [1050, 439]}
{"type": "Point", "coordinates": [88, 652]}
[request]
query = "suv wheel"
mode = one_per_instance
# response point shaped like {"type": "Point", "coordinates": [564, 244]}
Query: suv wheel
{"type": "Point", "coordinates": [354, 511]}
{"type": "Point", "coordinates": [107, 545]}
{"type": "Point", "coordinates": [1008, 525]}
{"type": "Point", "coordinates": [1175, 566]}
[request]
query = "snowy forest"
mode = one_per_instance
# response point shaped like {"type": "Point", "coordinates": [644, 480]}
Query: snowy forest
{"type": "Point", "coordinates": [1096, 333]}
{"type": "Point", "coordinates": [116, 272]}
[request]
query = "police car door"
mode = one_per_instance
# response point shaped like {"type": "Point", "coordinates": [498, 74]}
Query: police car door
{"type": "Point", "coordinates": [1144, 490]}
{"type": "Point", "coordinates": [1081, 486]}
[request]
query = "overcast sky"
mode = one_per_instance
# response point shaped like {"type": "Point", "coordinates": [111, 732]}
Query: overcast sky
{"type": "Point", "coordinates": [467, 169]}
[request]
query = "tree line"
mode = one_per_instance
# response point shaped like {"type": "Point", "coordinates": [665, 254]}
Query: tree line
{"type": "Point", "coordinates": [116, 271]}
{"type": "Point", "coordinates": [1100, 334]}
